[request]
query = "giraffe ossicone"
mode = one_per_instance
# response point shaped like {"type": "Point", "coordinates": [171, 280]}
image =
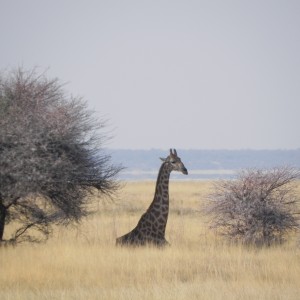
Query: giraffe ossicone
{"type": "Point", "coordinates": [152, 225]}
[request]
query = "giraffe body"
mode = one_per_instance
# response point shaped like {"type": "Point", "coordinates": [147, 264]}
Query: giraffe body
{"type": "Point", "coordinates": [152, 225]}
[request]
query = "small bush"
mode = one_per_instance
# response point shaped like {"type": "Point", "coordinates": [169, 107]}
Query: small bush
{"type": "Point", "coordinates": [259, 208]}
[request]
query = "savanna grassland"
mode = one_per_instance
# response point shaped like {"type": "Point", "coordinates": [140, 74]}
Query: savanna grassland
{"type": "Point", "coordinates": [83, 262]}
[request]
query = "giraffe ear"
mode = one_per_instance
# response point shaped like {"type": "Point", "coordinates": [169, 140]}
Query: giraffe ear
{"type": "Point", "coordinates": [163, 159]}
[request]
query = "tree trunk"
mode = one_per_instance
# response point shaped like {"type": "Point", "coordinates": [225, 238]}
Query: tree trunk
{"type": "Point", "coordinates": [2, 220]}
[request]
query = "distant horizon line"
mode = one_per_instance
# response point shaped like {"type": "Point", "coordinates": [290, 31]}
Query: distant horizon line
{"type": "Point", "coordinates": [203, 149]}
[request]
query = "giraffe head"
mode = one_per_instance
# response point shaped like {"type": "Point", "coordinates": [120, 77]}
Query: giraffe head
{"type": "Point", "coordinates": [175, 162]}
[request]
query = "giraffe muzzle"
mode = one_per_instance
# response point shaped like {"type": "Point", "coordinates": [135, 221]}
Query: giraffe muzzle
{"type": "Point", "coordinates": [185, 171]}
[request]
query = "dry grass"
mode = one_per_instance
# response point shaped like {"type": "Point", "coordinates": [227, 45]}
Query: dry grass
{"type": "Point", "coordinates": [85, 264]}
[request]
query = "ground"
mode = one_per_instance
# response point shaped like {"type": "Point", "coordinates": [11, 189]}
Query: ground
{"type": "Point", "coordinates": [84, 263]}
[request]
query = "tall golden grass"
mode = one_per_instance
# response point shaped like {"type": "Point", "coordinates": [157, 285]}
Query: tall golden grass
{"type": "Point", "coordinates": [83, 262]}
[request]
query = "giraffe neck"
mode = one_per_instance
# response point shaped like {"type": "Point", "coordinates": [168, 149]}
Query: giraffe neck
{"type": "Point", "coordinates": [160, 204]}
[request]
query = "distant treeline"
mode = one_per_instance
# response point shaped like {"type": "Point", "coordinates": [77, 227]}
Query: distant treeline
{"type": "Point", "coordinates": [139, 162]}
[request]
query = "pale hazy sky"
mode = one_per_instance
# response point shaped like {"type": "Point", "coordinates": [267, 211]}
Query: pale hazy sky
{"type": "Point", "coordinates": [186, 74]}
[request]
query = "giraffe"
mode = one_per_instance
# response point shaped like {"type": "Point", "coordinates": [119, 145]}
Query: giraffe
{"type": "Point", "coordinates": [152, 225]}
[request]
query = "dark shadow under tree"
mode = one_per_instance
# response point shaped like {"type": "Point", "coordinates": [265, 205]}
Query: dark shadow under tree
{"type": "Point", "coordinates": [51, 156]}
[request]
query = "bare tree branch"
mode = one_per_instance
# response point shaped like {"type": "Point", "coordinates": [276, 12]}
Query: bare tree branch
{"type": "Point", "coordinates": [259, 207]}
{"type": "Point", "coordinates": [51, 148]}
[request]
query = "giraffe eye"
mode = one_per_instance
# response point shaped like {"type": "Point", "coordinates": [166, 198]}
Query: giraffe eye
{"type": "Point", "coordinates": [173, 162]}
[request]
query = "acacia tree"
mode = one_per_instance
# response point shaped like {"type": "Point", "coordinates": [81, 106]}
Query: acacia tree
{"type": "Point", "coordinates": [259, 207]}
{"type": "Point", "coordinates": [51, 156]}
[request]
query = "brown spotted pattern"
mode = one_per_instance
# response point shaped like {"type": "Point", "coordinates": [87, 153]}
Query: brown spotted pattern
{"type": "Point", "coordinates": [152, 225]}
